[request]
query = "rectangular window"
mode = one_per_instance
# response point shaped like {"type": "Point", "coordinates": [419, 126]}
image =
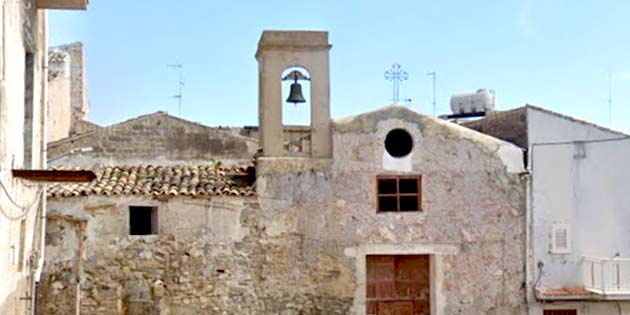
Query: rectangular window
{"type": "Point", "coordinates": [399, 193]}
{"type": "Point", "coordinates": [560, 312]}
{"type": "Point", "coordinates": [142, 220]}
{"type": "Point", "coordinates": [29, 103]}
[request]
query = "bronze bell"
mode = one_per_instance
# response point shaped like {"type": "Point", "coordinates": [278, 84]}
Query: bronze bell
{"type": "Point", "coordinates": [296, 93]}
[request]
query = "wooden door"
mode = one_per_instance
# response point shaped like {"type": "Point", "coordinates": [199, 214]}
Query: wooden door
{"type": "Point", "coordinates": [395, 308]}
{"type": "Point", "coordinates": [398, 285]}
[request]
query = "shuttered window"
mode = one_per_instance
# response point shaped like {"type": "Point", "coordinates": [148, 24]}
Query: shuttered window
{"type": "Point", "coordinates": [560, 239]}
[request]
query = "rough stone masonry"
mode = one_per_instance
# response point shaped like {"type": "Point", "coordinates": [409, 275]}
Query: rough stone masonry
{"type": "Point", "coordinates": [300, 245]}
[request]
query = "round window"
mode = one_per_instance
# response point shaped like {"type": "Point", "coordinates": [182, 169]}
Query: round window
{"type": "Point", "coordinates": [398, 143]}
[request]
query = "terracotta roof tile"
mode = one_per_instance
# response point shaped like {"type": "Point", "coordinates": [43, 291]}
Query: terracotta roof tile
{"type": "Point", "coordinates": [564, 292]}
{"type": "Point", "coordinates": [156, 180]}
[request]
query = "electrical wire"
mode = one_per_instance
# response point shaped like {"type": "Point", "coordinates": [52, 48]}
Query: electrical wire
{"type": "Point", "coordinates": [23, 209]}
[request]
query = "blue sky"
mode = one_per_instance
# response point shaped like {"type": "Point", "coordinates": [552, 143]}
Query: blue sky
{"type": "Point", "coordinates": [555, 54]}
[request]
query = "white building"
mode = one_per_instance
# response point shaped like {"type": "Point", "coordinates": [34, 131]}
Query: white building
{"type": "Point", "coordinates": [578, 210]}
{"type": "Point", "coordinates": [23, 102]}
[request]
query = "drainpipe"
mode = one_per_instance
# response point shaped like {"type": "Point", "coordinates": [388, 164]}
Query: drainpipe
{"type": "Point", "coordinates": [528, 239]}
{"type": "Point", "coordinates": [530, 286]}
{"type": "Point", "coordinates": [44, 165]}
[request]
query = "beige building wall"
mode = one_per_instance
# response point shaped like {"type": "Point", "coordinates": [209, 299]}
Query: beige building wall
{"type": "Point", "coordinates": [68, 100]}
{"type": "Point", "coordinates": [277, 52]}
{"type": "Point", "coordinates": [59, 95]}
{"type": "Point", "coordinates": [23, 29]}
{"type": "Point", "coordinates": [78, 85]}
{"type": "Point", "coordinates": [59, 115]}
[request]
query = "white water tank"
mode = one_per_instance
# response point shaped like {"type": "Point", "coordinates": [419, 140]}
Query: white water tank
{"type": "Point", "coordinates": [481, 101]}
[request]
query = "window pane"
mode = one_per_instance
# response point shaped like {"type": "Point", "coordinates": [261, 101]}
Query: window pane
{"type": "Point", "coordinates": [387, 204]}
{"type": "Point", "coordinates": [409, 186]}
{"type": "Point", "coordinates": [409, 203]}
{"type": "Point", "coordinates": [387, 186]}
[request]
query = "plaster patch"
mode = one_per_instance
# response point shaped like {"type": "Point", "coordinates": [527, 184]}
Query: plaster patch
{"type": "Point", "coordinates": [402, 164]}
{"type": "Point", "coordinates": [512, 158]}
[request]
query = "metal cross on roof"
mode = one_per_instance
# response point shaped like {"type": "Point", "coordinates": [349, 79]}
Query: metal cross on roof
{"type": "Point", "coordinates": [396, 74]}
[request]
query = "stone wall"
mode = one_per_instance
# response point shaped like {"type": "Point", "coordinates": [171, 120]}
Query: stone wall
{"type": "Point", "coordinates": [299, 247]}
{"type": "Point", "coordinates": [210, 257]}
{"type": "Point", "coordinates": [510, 125]}
{"type": "Point", "coordinates": [154, 138]}
{"type": "Point", "coordinates": [473, 202]}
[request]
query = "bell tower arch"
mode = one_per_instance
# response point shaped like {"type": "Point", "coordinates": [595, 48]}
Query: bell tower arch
{"type": "Point", "coordinates": [277, 51]}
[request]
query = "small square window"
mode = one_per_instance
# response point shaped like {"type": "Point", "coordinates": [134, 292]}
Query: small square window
{"type": "Point", "coordinates": [142, 220]}
{"type": "Point", "coordinates": [399, 193]}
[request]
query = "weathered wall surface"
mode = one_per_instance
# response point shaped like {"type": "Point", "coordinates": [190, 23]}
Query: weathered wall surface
{"type": "Point", "coordinates": [78, 84]}
{"type": "Point", "coordinates": [510, 125]}
{"type": "Point", "coordinates": [299, 247]}
{"type": "Point", "coordinates": [154, 138]}
{"type": "Point", "coordinates": [68, 100]}
{"type": "Point", "coordinates": [23, 30]}
{"type": "Point", "coordinates": [210, 257]}
{"type": "Point", "coordinates": [59, 105]}
{"type": "Point", "coordinates": [472, 223]}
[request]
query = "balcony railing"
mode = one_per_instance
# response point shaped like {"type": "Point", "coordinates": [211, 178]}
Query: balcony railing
{"type": "Point", "coordinates": [607, 276]}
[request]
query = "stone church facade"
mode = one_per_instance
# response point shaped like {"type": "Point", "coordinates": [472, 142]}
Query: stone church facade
{"type": "Point", "coordinates": [387, 212]}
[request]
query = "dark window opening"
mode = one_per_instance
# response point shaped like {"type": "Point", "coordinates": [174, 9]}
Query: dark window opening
{"type": "Point", "coordinates": [142, 220]}
{"type": "Point", "coordinates": [387, 186]}
{"type": "Point", "coordinates": [560, 312]}
{"type": "Point", "coordinates": [29, 103]}
{"type": "Point", "coordinates": [398, 143]}
{"type": "Point", "coordinates": [387, 203]}
{"type": "Point", "coordinates": [408, 185]}
{"type": "Point", "coordinates": [399, 193]}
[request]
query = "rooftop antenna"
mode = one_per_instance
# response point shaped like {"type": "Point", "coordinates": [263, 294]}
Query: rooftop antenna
{"type": "Point", "coordinates": [609, 98]}
{"type": "Point", "coordinates": [180, 85]}
{"type": "Point", "coordinates": [396, 74]}
{"type": "Point", "coordinates": [433, 74]}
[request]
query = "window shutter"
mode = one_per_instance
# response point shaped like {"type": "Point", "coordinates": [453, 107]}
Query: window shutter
{"type": "Point", "coordinates": [560, 239]}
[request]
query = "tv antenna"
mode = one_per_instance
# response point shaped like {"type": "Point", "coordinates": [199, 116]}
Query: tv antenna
{"type": "Point", "coordinates": [609, 98]}
{"type": "Point", "coordinates": [396, 74]}
{"type": "Point", "coordinates": [433, 74]}
{"type": "Point", "coordinates": [180, 85]}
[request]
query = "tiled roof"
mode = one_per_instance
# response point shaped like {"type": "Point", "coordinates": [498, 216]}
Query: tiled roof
{"type": "Point", "coordinates": [156, 180]}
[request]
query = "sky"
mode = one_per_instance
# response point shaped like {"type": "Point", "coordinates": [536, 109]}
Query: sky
{"type": "Point", "coordinates": [560, 55]}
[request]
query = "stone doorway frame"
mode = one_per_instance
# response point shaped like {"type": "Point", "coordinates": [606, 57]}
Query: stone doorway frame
{"type": "Point", "coordinates": [436, 272]}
